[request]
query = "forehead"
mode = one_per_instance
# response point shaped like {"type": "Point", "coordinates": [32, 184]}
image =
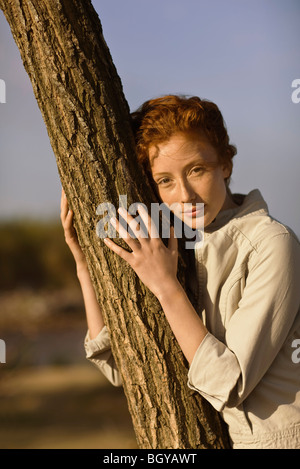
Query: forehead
{"type": "Point", "coordinates": [180, 150]}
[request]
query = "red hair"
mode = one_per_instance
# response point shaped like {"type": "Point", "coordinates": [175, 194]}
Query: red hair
{"type": "Point", "coordinates": [157, 120]}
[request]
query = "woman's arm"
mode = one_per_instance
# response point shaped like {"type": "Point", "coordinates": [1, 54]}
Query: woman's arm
{"type": "Point", "coordinates": [185, 323]}
{"type": "Point", "coordinates": [93, 312]}
{"type": "Point", "coordinates": [156, 266]}
{"type": "Point", "coordinates": [94, 316]}
{"type": "Point", "coordinates": [158, 272]}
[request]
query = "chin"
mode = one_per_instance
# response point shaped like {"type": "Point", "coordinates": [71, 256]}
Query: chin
{"type": "Point", "coordinates": [195, 224]}
{"type": "Point", "coordinates": [208, 220]}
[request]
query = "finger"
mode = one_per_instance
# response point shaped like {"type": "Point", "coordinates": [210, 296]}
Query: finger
{"type": "Point", "coordinates": [173, 242]}
{"type": "Point", "coordinates": [147, 220]}
{"type": "Point", "coordinates": [63, 197]}
{"type": "Point", "coordinates": [123, 233]}
{"type": "Point", "coordinates": [64, 208]}
{"type": "Point", "coordinates": [133, 224]}
{"type": "Point", "coordinates": [69, 230]}
{"type": "Point", "coordinates": [69, 219]}
{"type": "Point", "coordinates": [118, 249]}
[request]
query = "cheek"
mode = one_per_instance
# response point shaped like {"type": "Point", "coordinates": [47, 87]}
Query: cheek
{"type": "Point", "coordinates": [165, 197]}
{"type": "Point", "coordinates": [216, 189]}
{"type": "Point", "coordinates": [215, 183]}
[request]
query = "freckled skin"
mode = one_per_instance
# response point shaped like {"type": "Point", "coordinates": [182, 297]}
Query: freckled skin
{"type": "Point", "coordinates": [186, 170]}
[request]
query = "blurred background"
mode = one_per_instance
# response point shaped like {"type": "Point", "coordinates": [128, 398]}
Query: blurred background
{"type": "Point", "coordinates": [243, 55]}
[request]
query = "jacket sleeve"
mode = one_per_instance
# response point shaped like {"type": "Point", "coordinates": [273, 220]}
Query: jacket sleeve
{"type": "Point", "coordinates": [98, 351]}
{"type": "Point", "coordinates": [226, 373]}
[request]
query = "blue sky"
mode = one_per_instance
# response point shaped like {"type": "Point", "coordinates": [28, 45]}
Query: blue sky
{"type": "Point", "coordinates": [241, 54]}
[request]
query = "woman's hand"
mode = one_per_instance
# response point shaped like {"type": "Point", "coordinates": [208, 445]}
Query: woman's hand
{"type": "Point", "coordinates": [93, 312]}
{"type": "Point", "coordinates": [66, 217]}
{"type": "Point", "coordinates": [154, 263]}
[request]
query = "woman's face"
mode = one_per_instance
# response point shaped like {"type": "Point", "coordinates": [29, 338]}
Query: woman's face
{"type": "Point", "coordinates": [186, 170]}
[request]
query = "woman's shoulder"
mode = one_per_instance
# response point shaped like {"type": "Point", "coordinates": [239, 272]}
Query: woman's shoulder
{"type": "Point", "coordinates": [254, 223]}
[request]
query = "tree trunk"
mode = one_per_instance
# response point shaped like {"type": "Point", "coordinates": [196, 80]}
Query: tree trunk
{"type": "Point", "coordinates": [80, 96]}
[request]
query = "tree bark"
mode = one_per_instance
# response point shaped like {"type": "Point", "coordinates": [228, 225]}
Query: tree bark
{"type": "Point", "coordinates": [81, 99]}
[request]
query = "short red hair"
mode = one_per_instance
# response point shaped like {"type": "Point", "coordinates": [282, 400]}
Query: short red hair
{"type": "Point", "coordinates": [157, 120]}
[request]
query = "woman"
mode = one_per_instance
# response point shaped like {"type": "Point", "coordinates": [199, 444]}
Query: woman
{"type": "Point", "coordinates": [240, 341]}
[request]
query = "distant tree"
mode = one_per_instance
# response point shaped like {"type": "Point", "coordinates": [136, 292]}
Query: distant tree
{"type": "Point", "coordinates": [87, 117]}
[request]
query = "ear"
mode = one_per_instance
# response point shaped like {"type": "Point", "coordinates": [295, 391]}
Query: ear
{"type": "Point", "coordinates": [227, 169]}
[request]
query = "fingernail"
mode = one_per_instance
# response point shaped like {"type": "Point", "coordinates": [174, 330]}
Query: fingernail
{"type": "Point", "coordinates": [122, 211]}
{"type": "Point", "coordinates": [113, 221]}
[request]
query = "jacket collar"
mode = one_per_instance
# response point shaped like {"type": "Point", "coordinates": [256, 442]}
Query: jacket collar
{"type": "Point", "coordinates": [247, 205]}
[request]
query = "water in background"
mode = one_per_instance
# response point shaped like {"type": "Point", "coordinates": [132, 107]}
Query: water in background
{"type": "Point", "coordinates": [50, 395]}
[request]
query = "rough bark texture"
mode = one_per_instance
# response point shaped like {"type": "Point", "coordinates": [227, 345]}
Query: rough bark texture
{"type": "Point", "coordinates": [87, 117]}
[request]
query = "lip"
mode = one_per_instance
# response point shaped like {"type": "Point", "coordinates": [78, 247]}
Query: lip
{"type": "Point", "coordinates": [194, 212]}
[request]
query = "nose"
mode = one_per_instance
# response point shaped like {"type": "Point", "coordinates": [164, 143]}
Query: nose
{"type": "Point", "coordinates": [187, 193]}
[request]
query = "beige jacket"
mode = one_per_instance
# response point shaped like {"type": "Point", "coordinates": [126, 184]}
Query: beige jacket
{"type": "Point", "coordinates": [248, 365]}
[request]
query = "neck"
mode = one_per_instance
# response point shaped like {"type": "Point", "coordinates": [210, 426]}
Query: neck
{"type": "Point", "coordinates": [229, 202]}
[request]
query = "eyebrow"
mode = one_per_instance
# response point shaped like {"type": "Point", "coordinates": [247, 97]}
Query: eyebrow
{"type": "Point", "coordinates": [192, 163]}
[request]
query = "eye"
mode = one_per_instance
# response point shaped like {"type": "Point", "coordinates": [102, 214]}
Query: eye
{"type": "Point", "coordinates": [163, 181]}
{"type": "Point", "coordinates": [198, 170]}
